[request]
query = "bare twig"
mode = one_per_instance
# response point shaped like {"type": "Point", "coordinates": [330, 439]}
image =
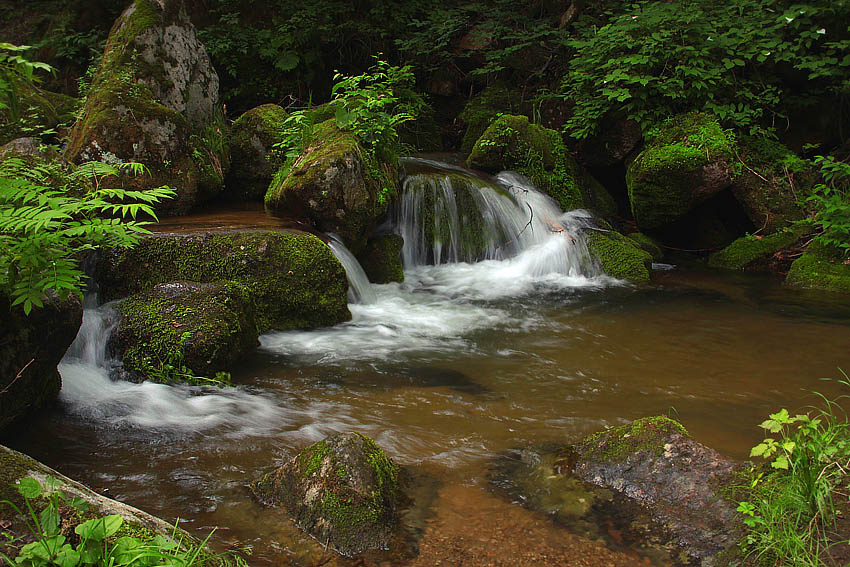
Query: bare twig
{"type": "Point", "coordinates": [17, 377]}
{"type": "Point", "coordinates": [528, 224]}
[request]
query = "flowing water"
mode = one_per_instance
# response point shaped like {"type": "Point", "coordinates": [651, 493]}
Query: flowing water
{"type": "Point", "coordinates": [529, 344]}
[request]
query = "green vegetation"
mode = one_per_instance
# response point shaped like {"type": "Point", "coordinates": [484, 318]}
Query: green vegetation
{"type": "Point", "coordinates": [618, 256]}
{"type": "Point", "coordinates": [832, 201]}
{"type": "Point", "coordinates": [50, 215]}
{"type": "Point", "coordinates": [618, 443]}
{"type": "Point", "coordinates": [792, 506]}
{"type": "Point", "coordinates": [749, 251]}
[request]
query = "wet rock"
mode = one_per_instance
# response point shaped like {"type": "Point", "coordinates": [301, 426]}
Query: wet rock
{"type": "Point", "coordinates": [653, 461]}
{"type": "Point", "coordinates": [690, 159]}
{"type": "Point", "coordinates": [618, 256]}
{"type": "Point", "coordinates": [294, 279]}
{"type": "Point", "coordinates": [821, 267]}
{"type": "Point", "coordinates": [30, 348]}
{"type": "Point", "coordinates": [756, 253]}
{"type": "Point", "coordinates": [253, 161]}
{"type": "Point", "coordinates": [154, 100]}
{"type": "Point", "coordinates": [205, 327]}
{"type": "Point", "coordinates": [381, 259]}
{"type": "Point", "coordinates": [343, 490]}
{"type": "Point", "coordinates": [336, 185]}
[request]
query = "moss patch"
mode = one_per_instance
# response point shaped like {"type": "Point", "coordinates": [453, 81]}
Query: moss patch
{"type": "Point", "coordinates": [381, 259]}
{"type": "Point", "coordinates": [647, 244]}
{"type": "Point", "coordinates": [688, 159]}
{"type": "Point", "coordinates": [617, 444]}
{"type": "Point", "coordinates": [295, 280]}
{"type": "Point", "coordinates": [618, 256]}
{"type": "Point", "coordinates": [820, 267]}
{"type": "Point", "coordinates": [484, 108]}
{"type": "Point", "coordinates": [750, 252]}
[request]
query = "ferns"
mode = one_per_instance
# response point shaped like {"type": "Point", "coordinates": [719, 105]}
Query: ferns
{"type": "Point", "coordinates": [49, 216]}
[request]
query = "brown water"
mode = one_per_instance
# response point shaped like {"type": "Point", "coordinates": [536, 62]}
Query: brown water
{"type": "Point", "coordinates": [719, 352]}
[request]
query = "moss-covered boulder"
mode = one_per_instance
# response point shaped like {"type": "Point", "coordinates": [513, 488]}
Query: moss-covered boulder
{"type": "Point", "coordinates": [683, 483]}
{"type": "Point", "coordinates": [754, 252]}
{"type": "Point", "coordinates": [381, 259]}
{"type": "Point", "coordinates": [820, 267]}
{"type": "Point", "coordinates": [647, 244]}
{"type": "Point", "coordinates": [30, 348]}
{"type": "Point", "coordinates": [336, 185]}
{"type": "Point", "coordinates": [772, 181]}
{"type": "Point", "coordinates": [511, 142]}
{"type": "Point", "coordinates": [154, 100]}
{"type": "Point", "coordinates": [484, 108]}
{"type": "Point", "coordinates": [200, 327]}
{"type": "Point", "coordinates": [37, 111]}
{"type": "Point", "coordinates": [343, 490]}
{"type": "Point", "coordinates": [252, 161]}
{"type": "Point", "coordinates": [618, 256]}
{"type": "Point", "coordinates": [689, 159]}
{"type": "Point", "coordinates": [295, 280]}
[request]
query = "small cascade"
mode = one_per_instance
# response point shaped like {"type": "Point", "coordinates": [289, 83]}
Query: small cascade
{"type": "Point", "coordinates": [360, 290]}
{"type": "Point", "coordinates": [448, 215]}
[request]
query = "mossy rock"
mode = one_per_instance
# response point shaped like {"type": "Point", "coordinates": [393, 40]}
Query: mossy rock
{"type": "Point", "coordinates": [295, 280]}
{"type": "Point", "coordinates": [754, 252]}
{"type": "Point", "coordinates": [684, 484]}
{"type": "Point", "coordinates": [484, 108]}
{"type": "Point", "coordinates": [618, 256]}
{"type": "Point", "coordinates": [206, 327]}
{"type": "Point", "coordinates": [689, 159]}
{"type": "Point", "coordinates": [30, 348]}
{"type": "Point", "coordinates": [773, 179]}
{"type": "Point", "coordinates": [336, 185]}
{"type": "Point", "coordinates": [253, 161]}
{"type": "Point", "coordinates": [38, 111]}
{"type": "Point", "coordinates": [381, 259]}
{"type": "Point", "coordinates": [647, 244]}
{"type": "Point", "coordinates": [343, 490]}
{"type": "Point", "coordinates": [820, 267]}
{"type": "Point", "coordinates": [154, 100]}
{"type": "Point", "coordinates": [511, 142]}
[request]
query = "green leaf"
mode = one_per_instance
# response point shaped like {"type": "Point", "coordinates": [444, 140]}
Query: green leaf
{"type": "Point", "coordinates": [99, 529]}
{"type": "Point", "coordinates": [781, 462]}
{"type": "Point", "coordinates": [29, 487]}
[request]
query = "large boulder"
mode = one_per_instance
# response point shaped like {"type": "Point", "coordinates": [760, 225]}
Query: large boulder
{"type": "Point", "coordinates": [154, 100]}
{"type": "Point", "coordinates": [253, 162]}
{"type": "Point", "coordinates": [294, 278]}
{"type": "Point", "coordinates": [821, 267]}
{"type": "Point", "coordinates": [381, 259]}
{"type": "Point", "coordinates": [336, 185]}
{"type": "Point", "coordinates": [482, 109]}
{"type": "Point", "coordinates": [186, 331]}
{"type": "Point", "coordinates": [689, 159]}
{"type": "Point", "coordinates": [618, 256]}
{"type": "Point", "coordinates": [511, 142]}
{"type": "Point", "coordinates": [343, 490]}
{"type": "Point", "coordinates": [683, 483]}
{"type": "Point", "coordinates": [30, 348]}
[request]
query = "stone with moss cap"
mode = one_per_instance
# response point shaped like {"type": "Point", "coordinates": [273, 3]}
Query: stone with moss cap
{"type": "Point", "coordinates": [381, 259]}
{"type": "Point", "coordinates": [154, 100]}
{"type": "Point", "coordinates": [684, 484]}
{"type": "Point", "coordinates": [205, 326]}
{"type": "Point", "coordinates": [539, 153]}
{"type": "Point", "coordinates": [253, 161]}
{"type": "Point", "coordinates": [294, 278]}
{"type": "Point", "coordinates": [689, 159]}
{"type": "Point", "coordinates": [482, 109]}
{"type": "Point", "coordinates": [336, 185]}
{"type": "Point", "coordinates": [820, 267]}
{"type": "Point", "coordinates": [618, 256]}
{"type": "Point", "coordinates": [343, 490]}
{"type": "Point", "coordinates": [755, 252]}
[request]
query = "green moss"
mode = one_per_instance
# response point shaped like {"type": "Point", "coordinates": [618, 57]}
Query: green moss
{"type": "Point", "coordinates": [647, 244]}
{"type": "Point", "coordinates": [295, 280]}
{"type": "Point", "coordinates": [618, 256]}
{"type": "Point", "coordinates": [662, 178]}
{"type": "Point", "coordinates": [386, 471]}
{"type": "Point", "coordinates": [820, 267]}
{"type": "Point", "coordinates": [381, 259]}
{"type": "Point", "coordinates": [484, 108]}
{"type": "Point", "coordinates": [310, 459]}
{"type": "Point", "coordinates": [749, 251]}
{"type": "Point", "coordinates": [617, 444]}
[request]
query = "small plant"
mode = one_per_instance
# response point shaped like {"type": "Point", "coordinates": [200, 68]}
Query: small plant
{"type": "Point", "coordinates": [97, 542]}
{"type": "Point", "coordinates": [832, 203]}
{"type": "Point", "coordinates": [16, 73]}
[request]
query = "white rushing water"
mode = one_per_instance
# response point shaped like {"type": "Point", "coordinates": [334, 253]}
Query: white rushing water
{"type": "Point", "coordinates": [454, 286]}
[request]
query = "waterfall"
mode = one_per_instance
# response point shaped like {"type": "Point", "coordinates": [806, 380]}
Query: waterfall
{"type": "Point", "coordinates": [359, 288]}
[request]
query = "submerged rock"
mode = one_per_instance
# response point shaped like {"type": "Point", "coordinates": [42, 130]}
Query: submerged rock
{"type": "Point", "coordinates": [294, 279]}
{"type": "Point", "coordinates": [690, 159]}
{"type": "Point", "coordinates": [820, 267]}
{"type": "Point", "coordinates": [381, 259]}
{"type": "Point", "coordinates": [205, 327]}
{"type": "Point", "coordinates": [335, 184]}
{"type": "Point", "coordinates": [511, 142]}
{"type": "Point", "coordinates": [30, 348]}
{"type": "Point", "coordinates": [682, 482]}
{"type": "Point", "coordinates": [253, 162]}
{"type": "Point", "coordinates": [154, 100]}
{"type": "Point", "coordinates": [618, 256]}
{"type": "Point", "coordinates": [343, 490]}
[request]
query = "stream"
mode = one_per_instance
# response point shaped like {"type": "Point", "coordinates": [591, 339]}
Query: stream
{"type": "Point", "coordinates": [517, 344]}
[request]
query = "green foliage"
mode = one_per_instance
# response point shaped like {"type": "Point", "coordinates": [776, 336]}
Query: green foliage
{"type": "Point", "coordinates": [737, 60]}
{"type": "Point", "coordinates": [98, 542]}
{"type": "Point", "coordinates": [790, 511]}
{"type": "Point", "coordinates": [49, 216]}
{"type": "Point", "coordinates": [832, 204]}
{"type": "Point", "coordinates": [16, 74]}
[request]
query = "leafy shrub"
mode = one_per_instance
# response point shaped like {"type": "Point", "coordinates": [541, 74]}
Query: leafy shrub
{"type": "Point", "coordinates": [832, 203]}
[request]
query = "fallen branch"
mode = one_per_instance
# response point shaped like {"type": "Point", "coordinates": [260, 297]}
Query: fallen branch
{"type": "Point", "coordinates": [17, 377]}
